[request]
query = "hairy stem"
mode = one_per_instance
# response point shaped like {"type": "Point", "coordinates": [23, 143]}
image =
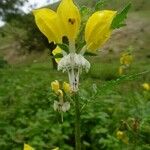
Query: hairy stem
{"type": "Point", "coordinates": [77, 123]}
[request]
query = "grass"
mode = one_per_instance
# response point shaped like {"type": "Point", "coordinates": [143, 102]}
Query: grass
{"type": "Point", "coordinates": [27, 114]}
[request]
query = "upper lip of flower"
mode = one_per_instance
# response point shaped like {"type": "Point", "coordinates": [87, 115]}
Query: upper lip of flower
{"type": "Point", "coordinates": [66, 22]}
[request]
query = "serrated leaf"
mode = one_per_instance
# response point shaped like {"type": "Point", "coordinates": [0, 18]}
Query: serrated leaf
{"type": "Point", "coordinates": [64, 47]}
{"type": "Point", "coordinates": [90, 54]}
{"type": "Point", "coordinates": [118, 20]}
{"type": "Point", "coordinates": [59, 55]}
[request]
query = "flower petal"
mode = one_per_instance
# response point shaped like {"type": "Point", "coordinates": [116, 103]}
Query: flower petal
{"type": "Point", "coordinates": [49, 24]}
{"type": "Point", "coordinates": [66, 87]}
{"type": "Point", "coordinates": [97, 30]}
{"type": "Point", "coordinates": [70, 17]}
{"type": "Point", "coordinates": [56, 51]}
{"type": "Point", "coordinates": [55, 86]}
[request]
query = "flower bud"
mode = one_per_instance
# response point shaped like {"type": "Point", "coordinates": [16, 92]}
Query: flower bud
{"type": "Point", "coordinates": [146, 86]}
{"type": "Point", "coordinates": [126, 59]}
{"type": "Point", "coordinates": [55, 86]}
{"type": "Point", "coordinates": [60, 93]}
{"type": "Point", "coordinates": [120, 135]}
{"type": "Point", "coordinates": [66, 87]}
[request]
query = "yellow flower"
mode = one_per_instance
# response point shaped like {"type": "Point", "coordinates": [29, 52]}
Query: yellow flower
{"type": "Point", "coordinates": [70, 18]}
{"type": "Point", "coordinates": [126, 59]}
{"type": "Point", "coordinates": [28, 147]}
{"type": "Point", "coordinates": [66, 87]}
{"type": "Point", "coordinates": [54, 25]}
{"type": "Point", "coordinates": [67, 20]}
{"type": "Point", "coordinates": [146, 86]}
{"type": "Point", "coordinates": [55, 86]}
{"type": "Point", "coordinates": [49, 24]}
{"type": "Point", "coordinates": [98, 29]}
{"type": "Point", "coordinates": [56, 51]}
{"type": "Point", "coordinates": [60, 93]}
{"type": "Point", "coordinates": [120, 135]}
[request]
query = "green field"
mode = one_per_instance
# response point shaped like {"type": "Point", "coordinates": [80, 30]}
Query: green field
{"type": "Point", "coordinates": [27, 113]}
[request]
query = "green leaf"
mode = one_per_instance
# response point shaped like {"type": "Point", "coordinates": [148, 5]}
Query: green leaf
{"type": "Point", "coordinates": [90, 54]}
{"type": "Point", "coordinates": [84, 10]}
{"type": "Point", "coordinates": [59, 55]}
{"type": "Point", "coordinates": [64, 47]}
{"type": "Point", "coordinates": [119, 19]}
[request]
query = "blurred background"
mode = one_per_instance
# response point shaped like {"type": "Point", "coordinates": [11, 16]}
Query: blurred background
{"type": "Point", "coordinates": [118, 118]}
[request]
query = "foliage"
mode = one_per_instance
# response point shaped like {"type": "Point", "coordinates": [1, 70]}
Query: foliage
{"type": "Point", "coordinates": [27, 114]}
{"type": "Point", "coordinates": [118, 20]}
{"type": "Point", "coordinates": [3, 62]}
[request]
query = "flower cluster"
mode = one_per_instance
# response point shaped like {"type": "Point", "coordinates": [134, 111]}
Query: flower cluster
{"type": "Point", "coordinates": [126, 60]}
{"type": "Point", "coordinates": [59, 90]}
{"type": "Point", "coordinates": [65, 22]}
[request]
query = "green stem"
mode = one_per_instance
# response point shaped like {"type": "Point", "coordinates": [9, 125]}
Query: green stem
{"type": "Point", "coordinates": [77, 123]}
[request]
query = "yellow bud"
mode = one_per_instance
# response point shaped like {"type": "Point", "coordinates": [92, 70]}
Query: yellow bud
{"type": "Point", "coordinates": [55, 86]}
{"type": "Point", "coordinates": [28, 147]}
{"type": "Point", "coordinates": [146, 86]}
{"type": "Point", "coordinates": [60, 93]}
{"type": "Point", "coordinates": [126, 59]}
{"type": "Point", "coordinates": [120, 135]}
{"type": "Point", "coordinates": [98, 29]}
{"type": "Point", "coordinates": [66, 87]}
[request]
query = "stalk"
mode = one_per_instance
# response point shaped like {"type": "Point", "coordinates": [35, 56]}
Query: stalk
{"type": "Point", "coordinates": [77, 123]}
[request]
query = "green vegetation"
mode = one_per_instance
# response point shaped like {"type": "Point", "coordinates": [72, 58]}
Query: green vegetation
{"type": "Point", "coordinates": [27, 114]}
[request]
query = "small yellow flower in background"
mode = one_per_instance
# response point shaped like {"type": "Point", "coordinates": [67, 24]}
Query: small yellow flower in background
{"type": "Point", "coordinates": [146, 86]}
{"type": "Point", "coordinates": [98, 29]}
{"type": "Point", "coordinates": [120, 135]}
{"type": "Point", "coordinates": [126, 59]}
{"type": "Point", "coordinates": [55, 86]}
{"type": "Point", "coordinates": [66, 87]}
{"type": "Point", "coordinates": [28, 147]}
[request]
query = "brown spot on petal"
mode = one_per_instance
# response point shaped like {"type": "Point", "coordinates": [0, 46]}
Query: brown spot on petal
{"type": "Point", "coordinates": [71, 20]}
